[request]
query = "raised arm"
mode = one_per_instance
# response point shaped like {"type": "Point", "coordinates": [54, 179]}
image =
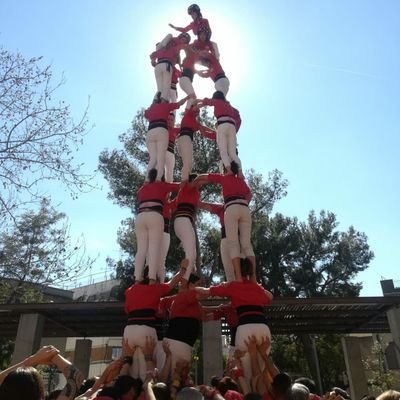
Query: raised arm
{"type": "Point", "coordinates": [43, 356]}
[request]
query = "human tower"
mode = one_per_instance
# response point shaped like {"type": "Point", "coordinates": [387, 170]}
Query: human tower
{"type": "Point", "coordinates": [161, 200]}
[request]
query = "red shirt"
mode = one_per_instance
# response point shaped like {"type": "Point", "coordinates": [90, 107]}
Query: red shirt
{"type": "Point", "coordinates": [242, 293]}
{"type": "Point", "coordinates": [218, 210]}
{"type": "Point", "coordinates": [176, 74]}
{"type": "Point", "coordinates": [189, 119]}
{"type": "Point", "coordinates": [222, 108]}
{"type": "Point", "coordinates": [156, 191]}
{"type": "Point", "coordinates": [215, 68]}
{"type": "Point", "coordinates": [172, 134]}
{"type": "Point", "coordinates": [231, 185]}
{"type": "Point", "coordinates": [167, 210]}
{"type": "Point", "coordinates": [138, 297]}
{"type": "Point", "coordinates": [191, 58]}
{"type": "Point", "coordinates": [184, 304]}
{"type": "Point", "coordinates": [229, 313]}
{"type": "Point", "coordinates": [188, 194]}
{"type": "Point", "coordinates": [169, 52]}
{"type": "Point", "coordinates": [195, 25]}
{"type": "Point", "coordinates": [160, 111]}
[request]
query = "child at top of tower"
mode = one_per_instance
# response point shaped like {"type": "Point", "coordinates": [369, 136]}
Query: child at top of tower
{"type": "Point", "coordinates": [199, 23]}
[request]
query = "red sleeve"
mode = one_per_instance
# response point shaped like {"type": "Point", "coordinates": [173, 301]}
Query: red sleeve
{"type": "Point", "coordinates": [172, 187]}
{"type": "Point", "coordinates": [220, 290]}
{"type": "Point", "coordinates": [209, 134]}
{"type": "Point", "coordinates": [186, 29]}
{"type": "Point", "coordinates": [215, 208]}
{"type": "Point", "coordinates": [208, 102]}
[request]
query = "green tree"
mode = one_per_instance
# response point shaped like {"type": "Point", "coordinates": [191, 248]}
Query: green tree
{"type": "Point", "coordinates": [38, 136]}
{"type": "Point", "coordinates": [37, 251]}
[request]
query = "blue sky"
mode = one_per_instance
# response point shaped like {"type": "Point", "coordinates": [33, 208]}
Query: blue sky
{"type": "Point", "coordinates": [316, 81]}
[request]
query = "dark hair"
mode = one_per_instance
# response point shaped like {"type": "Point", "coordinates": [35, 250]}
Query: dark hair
{"type": "Point", "coordinates": [227, 383]}
{"type": "Point", "coordinates": [192, 177]}
{"type": "Point", "coordinates": [298, 391]}
{"type": "Point", "coordinates": [109, 391]}
{"type": "Point", "coordinates": [152, 175]}
{"type": "Point", "coordinates": [87, 384]}
{"type": "Point", "coordinates": [193, 278]}
{"type": "Point", "coordinates": [307, 382]}
{"type": "Point", "coordinates": [252, 396]}
{"type": "Point", "coordinates": [218, 95]}
{"type": "Point", "coordinates": [341, 392]}
{"type": "Point", "coordinates": [161, 391]}
{"type": "Point", "coordinates": [281, 382]}
{"type": "Point", "coordinates": [214, 380]}
{"type": "Point", "coordinates": [23, 383]}
{"type": "Point", "coordinates": [54, 394]}
{"type": "Point", "coordinates": [234, 167]}
{"type": "Point", "coordinates": [124, 383]}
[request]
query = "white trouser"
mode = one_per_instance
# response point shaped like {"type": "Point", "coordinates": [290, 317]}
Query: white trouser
{"type": "Point", "coordinates": [187, 86]}
{"type": "Point", "coordinates": [165, 241]}
{"type": "Point", "coordinates": [243, 332]}
{"type": "Point", "coordinates": [169, 166]}
{"type": "Point", "coordinates": [226, 260]}
{"type": "Point", "coordinates": [163, 79]}
{"type": "Point", "coordinates": [185, 148]}
{"type": "Point", "coordinates": [173, 95]}
{"type": "Point", "coordinates": [157, 145]}
{"type": "Point", "coordinates": [222, 85]}
{"type": "Point", "coordinates": [226, 141]}
{"type": "Point", "coordinates": [237, 220]}
{"type": "Point", "coordinates": [149, 227]}
{"type": "Point", "coordinates": [184, 231]}
{"type": "Point", "coordinates": [136, 336]}
{"type": "Point", "coordinates": [179, 351]}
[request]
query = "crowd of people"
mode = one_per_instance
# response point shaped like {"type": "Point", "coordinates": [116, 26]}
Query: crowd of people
{"type": "Point", "coordinates": [156, 357]}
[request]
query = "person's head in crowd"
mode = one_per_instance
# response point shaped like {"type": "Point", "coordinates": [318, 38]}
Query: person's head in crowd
{"type": "Point", "coordinates": [233, 395]}
{"type": "Point", "coordinates": [227, 383]}
{"type": "Point", "coordinates": [252, 396]}
{"type": "Point", "coordinates": [307, 382]}
{"type": "Point", "coordinates": [189, 393]}
{"type": "Point", "coordinates": [127, 387]}
{"type": "Point", "coordinates": [281, 383]}
{"type": "Point", "coordinates": [53, 395]}
{"type": "Point", "coordinates": [23, 383]}
{"type": "Point", "coordinates": [389, 395]}
{"type": "Point", "coordinates": [87, 384]}
{"type": "Point", "coordinates": [107, 393]}
{"type": "Point", "coordinates": [298, 391]}
{"type": "Point", "coordinates": [161, 391]}
{"type": "Point", "coordinates": [214, 381]}
{"type": "Point", "coordinates": [368, 397]}
{"type": "Point", "coordinates": [341, 392]}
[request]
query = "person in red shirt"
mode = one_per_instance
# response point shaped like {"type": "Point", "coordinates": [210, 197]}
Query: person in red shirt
{"type": "Point", "coordinates": [164, 60]}
{"type": "Point", "coordinates": [149, 224]}
{"type": "Point", "coordinates": [228, 124]}
{"type": "Point", "coordinates": [214, 71]}
{"type": "Point", "coordinates": [237, 217]}
{"type": "Point", "coordinates": [219, 211]}
{"type": "Point", "coordinates": [185, 317]}
{"type": "Point", "coordinates": [190, 125]}
{"type": "Point", "coordinates": [186, 204]}
{"type": "Point", "coordinates": [157, 133]}
{"type": "Point", "coordinates": [248, 298]}
{"type": "Point", "coordinates": [197, 25]}
{"type": "Point", "coordinates": [141, 303]}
